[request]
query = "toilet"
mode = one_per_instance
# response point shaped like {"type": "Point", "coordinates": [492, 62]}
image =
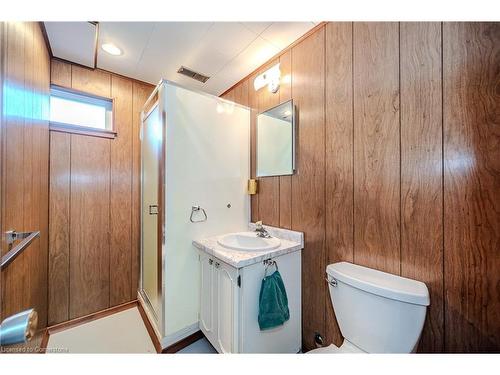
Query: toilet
{"type": "Point", "coordinates": [377, 312]}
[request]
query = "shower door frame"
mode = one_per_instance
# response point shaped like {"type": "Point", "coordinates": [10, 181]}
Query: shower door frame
{"type": "Point", "coordinates": [145, 113]}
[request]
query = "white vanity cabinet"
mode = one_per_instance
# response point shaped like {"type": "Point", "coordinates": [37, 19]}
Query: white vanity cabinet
{"type": "Point", "coordinates": [219, 303]}
{"type": "Point", "coordinates": [207, 279]}
{"type": "Point", "coordinates": [229, 305]}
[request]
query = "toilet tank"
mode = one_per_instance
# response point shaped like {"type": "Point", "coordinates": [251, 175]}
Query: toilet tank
{"type": "Point", "coordinates": [377, 311]}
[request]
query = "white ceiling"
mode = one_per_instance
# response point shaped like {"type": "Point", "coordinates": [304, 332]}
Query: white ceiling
{"type": "Point", "coordinates": [225, 51]}
{"type": "Point", "coordinates": [72, 41]}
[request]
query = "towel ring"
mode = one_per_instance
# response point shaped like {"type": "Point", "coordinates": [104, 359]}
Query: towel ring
{"type": "Point", "coordinates": [269, 263]}
{"type": "Point", "coordinates": [197, 209]}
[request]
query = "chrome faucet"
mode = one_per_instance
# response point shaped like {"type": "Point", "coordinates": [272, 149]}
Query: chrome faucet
{"type": "Point", "coordinates": [261, 231]}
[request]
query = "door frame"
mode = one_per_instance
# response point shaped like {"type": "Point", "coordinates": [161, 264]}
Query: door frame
{"type": "Point", "coordinates": [147, 111]}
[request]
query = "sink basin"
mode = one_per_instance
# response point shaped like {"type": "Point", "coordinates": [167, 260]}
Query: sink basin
{"type": "Point", "coordinates": [248, 241]}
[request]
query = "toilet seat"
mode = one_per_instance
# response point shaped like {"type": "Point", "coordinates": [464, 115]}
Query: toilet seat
{"type": "Point", "coordinates": [345, 348]}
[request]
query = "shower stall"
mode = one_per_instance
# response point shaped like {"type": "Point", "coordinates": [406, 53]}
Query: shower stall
{"type": "Point", "coordinates": [195, 165]}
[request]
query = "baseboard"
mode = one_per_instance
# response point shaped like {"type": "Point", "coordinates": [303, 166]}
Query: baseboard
{"type": "Point", "coordinates": [180, 335]}
{"type": "Point", "coordinates": [174, 348]}
{"type": "Point", "coordinates": [149, 316]}
{"type": "Point", "coordinates": [171, 343]}
{"type": "Point", "coordinates": [149, 327]}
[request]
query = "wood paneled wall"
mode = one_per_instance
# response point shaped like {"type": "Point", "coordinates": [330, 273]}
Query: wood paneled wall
{"type": "Point", "coordinates": [24, 170]}
{"type": "Point", "coordinates": [471, 131]}
{"type": "Point", "coordinates": [398, 168]}
{"type": "Point", "coordinates": [94, 201]}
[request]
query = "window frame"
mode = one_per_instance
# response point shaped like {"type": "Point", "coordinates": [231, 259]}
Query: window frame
{"type": "Point", "coordinates": [81, 129]}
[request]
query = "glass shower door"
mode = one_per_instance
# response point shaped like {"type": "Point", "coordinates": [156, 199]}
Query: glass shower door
{"type": "Point", "coordinates": [150, 244]}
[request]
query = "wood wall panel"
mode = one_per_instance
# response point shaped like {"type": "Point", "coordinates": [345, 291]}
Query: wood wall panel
{"type": "Point", "coordinates": [471, 72]}
{"type": "Point", "coordinates": [241, 94]}
{"type": "Point", "coordinates": [25, 150]}
{"type": "Point", "coordinates": [252, 102]}
{"type": "Point", "coordinates": [90, 225]}
{"type": "Point", "coordinates": [376, 146]}
{"type": "Point", "coordinates": [60, 73]}
{"type": "Point", "coordinates": [285, 182]}
{"type": "Point", "coordinates": [92, 81]}
{"type": "Point", "coordinates": [449, 232]}
{"type": "Point", "coordinates": [339, 156]}
{"type": "Point", "coordinates": [43, 161]}
{"type": "Point", "coordinates": [230, 94]}
{"type": "Point", "coordinates": [122, 202]}
{"type": "Point", "coordinates": [308, 183]}
{"type": "Point", "coordinates": [121, 193]}
{"type": "Point", "coordinates": [15, 281]}
{"type": "Point", "coordinates": [269, 207]}
{"type": "Point", "coordinates": [421, 169]}
{"type": "Point", "coordinates": [275, 192]}
{"type": "Point", "coordinates": [59, 234]}
{"type": "Point", "coordinates": [30, 178]}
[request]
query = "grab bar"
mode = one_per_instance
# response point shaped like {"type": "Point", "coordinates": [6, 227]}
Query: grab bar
{"type": "Point", "coordinates": [26, 237]}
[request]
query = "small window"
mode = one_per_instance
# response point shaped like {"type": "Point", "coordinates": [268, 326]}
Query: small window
{"type": "Point", "coordinates": [79, 111]}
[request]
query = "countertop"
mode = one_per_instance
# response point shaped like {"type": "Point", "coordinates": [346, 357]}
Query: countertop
{"type": "Point", "coordinates": [290, 241]}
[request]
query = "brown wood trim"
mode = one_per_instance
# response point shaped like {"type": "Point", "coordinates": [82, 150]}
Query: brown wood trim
{"type": "Point", "coordinates": [174, 348]}
{"type": "Point", "coordinates": [91, 317]}
{"type": "Point", "coordinates": [149, 328]}
{"type": "Point", "coordinates": [74, 129]}
{"type": "Point", "coordinates": [45, 38]}
{"type": "Point", "coordinates": [45, 341]}
{"type": "Point", "coordinates": [283, 51]}
{"type": "Point", "coordinates": [104, 70]}
{"type": "Point", "coordinates": [96, 42]}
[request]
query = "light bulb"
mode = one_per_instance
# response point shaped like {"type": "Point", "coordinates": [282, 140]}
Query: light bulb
{"type": "Point", "coordinates": [111, 49]}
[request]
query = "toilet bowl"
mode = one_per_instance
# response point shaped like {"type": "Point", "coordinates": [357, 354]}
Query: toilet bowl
{"type": "Point", "coordinates": [377, 312]}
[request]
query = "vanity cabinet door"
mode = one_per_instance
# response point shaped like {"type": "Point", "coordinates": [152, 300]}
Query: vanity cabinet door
{"type": "Point", "coordinates": [227, 307]}
{"type": "Point", "coordinates": [207, 293]}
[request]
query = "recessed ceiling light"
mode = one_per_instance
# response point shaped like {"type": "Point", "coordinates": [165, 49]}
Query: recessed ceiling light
{"type": "Point", "coordinates": [111, 49]}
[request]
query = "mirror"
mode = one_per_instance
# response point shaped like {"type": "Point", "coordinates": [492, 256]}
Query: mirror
{"type": "Point", "coordinates": [276, 141]}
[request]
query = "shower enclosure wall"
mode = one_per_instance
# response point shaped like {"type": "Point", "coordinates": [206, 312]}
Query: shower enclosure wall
{"type": "Point", "coordinates": [195, 168]}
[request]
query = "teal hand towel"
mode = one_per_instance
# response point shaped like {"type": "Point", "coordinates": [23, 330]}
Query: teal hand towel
{"type": "Point", "coordinates": [273, 302]}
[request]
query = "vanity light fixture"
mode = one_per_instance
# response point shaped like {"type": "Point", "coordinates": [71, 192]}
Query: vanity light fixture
{"type": "Point", "coordinates": [111, 49]}
{"type": "Point", "coordinates": [270, 78]}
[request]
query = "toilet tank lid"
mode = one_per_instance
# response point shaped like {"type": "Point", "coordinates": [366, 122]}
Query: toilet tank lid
{"type": "Point", "coordinates": [380, 283]}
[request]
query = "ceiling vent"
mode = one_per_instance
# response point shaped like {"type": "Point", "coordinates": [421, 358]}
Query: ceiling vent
{"type": "Point", "coordinates": [192, 74]}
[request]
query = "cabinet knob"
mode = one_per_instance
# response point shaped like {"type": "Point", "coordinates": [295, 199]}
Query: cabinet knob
{"type": "Point", "coordinates": [210, 261]}
{"type": "Point", "coordinates": [217, 265]}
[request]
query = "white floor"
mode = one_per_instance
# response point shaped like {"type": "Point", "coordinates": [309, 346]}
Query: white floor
{"type": "Point", "coordinates": [123, 332]}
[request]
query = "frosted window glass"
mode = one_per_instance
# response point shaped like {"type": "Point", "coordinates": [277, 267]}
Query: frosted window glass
{"type": "Point", "coordinates": [73, 110]}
